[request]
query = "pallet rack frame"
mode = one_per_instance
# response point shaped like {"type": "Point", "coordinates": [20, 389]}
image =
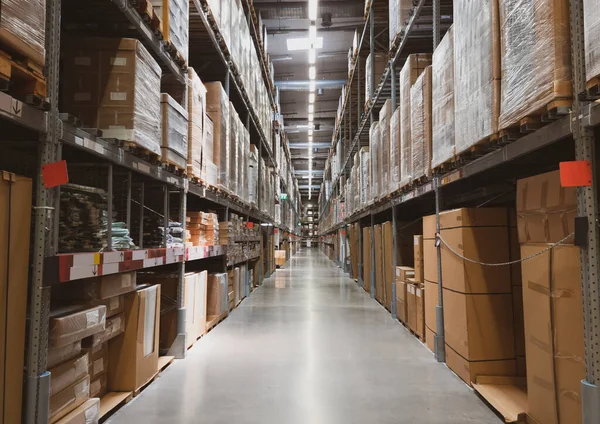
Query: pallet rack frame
{"type": "Point", "coordinates": [578, 125]}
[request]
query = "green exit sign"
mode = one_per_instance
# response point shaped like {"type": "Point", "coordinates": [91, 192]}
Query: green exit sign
{"type": "Point", "coordinates": [283, 196]}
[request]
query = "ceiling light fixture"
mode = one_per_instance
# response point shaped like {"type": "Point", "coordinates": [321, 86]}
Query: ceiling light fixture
{"type": "Point", "coordinates": [303, 43]}
{"type": "Point", "coordinates": [311, 98]}
{"type": "Point", "coordinates": [312, 33]}
{"type": "Point", "coordinates": [311, 86]}
{"type": "Point", "coordinates": [310, 117]}
{"type": "Point", "coordinates": [312, 72]}
{"type": "Point", "coordinates": [312, 10]}
{"type": "Point", "coordinates": [310, 133]}
{"type": "Point", "coordinates": [311, 56]}
{"type": "Point", "coordinates": [311, 108]}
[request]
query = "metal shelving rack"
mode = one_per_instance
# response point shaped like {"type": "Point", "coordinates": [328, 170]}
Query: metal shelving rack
{"type": "Point", "coordinates": [567, 138]}
{"type": "Point", "coordinates": [55, 135]}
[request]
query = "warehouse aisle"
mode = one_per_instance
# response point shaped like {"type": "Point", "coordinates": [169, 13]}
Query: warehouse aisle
{"type": "Point", "coordinates": [309, 347]}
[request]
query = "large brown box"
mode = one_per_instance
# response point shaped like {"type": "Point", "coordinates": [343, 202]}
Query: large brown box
{"type": "Point", "coordinates": [430, 339]}
{"type": "Point", "coordinates": [469, 371]}
{"type": "Point", "coordinates": [474, 217]}
{"type": "Point", "coordinates": [419, 265]}
{"type": "Point", "coordinates": [553, 333]}
{"type": "Point", "coordinates": [70, 398]}
{"type": "Point", "coordinates": [479, 327]}
{"type": "Point", "coordinates": [401, 300]}
{"type": "Point", "coordinates": [86, 413]}
{"type": "Point", "coordinates": [216, 295]}
{"type": "Point", "coordinates": [71, 323]}
{"type": "Point", "coordinates": [367, 266]}
{"type": "Point", "coordinates": [379, 275]}
{"type": "Point", "coordinates": [411, 305]}
{"type": "Point", "coordinates": [429, 227]}
{"type": "Point", "coordinates": [545, 210]}
{"type": "Point", "coordinates": [62, 376]}
{"type": "Point", "coordinates": [388, 263]}
{"type": "Point", "coordinates": [404, 272]}
{"type": "Point", "coordinates": [431, 302]}
{"type": "Point", "coordinates": [430, 264]}
{"type": "Point", "coordinates": [133, 355]}
{"type": "Point", "coordinates": [15, 223]}
{"type": "Point", "coordinates": [97, 288]}
{"type": "Point", "coordinates": [217, 107]}
{"type": "Point", "coordinates": [420, 310]}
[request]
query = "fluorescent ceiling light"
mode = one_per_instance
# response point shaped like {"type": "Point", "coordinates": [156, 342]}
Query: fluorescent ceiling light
{"type": "Point", "coordinates": [312, 10]}
{"type": "Point", "coordinates": [310, 117]}
{"type": "Point", "coordinates": [311, 98]}
{"type": "Point", "coordinates": [311, 86]}
{"type": "Point", "coordinates": [310, 133]}
{"type": "Point", "coordinates": [311, 56]}
{"type": "Point", "coordinates": [281, 58]}
{"type": "Point", "coordinates": [312, 72]}
{"type": "Point", "coordinates": [311, 108]}
{"type": "Point", "coordinates": [312, 33]}
{"type": "Point", "coordinates": [295, 44]}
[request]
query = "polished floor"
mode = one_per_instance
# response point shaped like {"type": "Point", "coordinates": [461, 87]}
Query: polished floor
{"type": "Point", "coordinates": [308, 347]}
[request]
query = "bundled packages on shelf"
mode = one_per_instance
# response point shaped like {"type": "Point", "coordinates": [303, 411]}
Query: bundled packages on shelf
{"type": "Point", "coordinates": [477, 72]}
{"type": "Point", "coordinates": [175, 234]}
{"type": "Point", "coordinates": [442, 118]}
{"type": "Point", "coordinates": [375, 160]}
{"type": "Point", "coordinates": [420, 124]}
{"type": "Point", "coordinates": [234, 136]}
{"type": "Point", "coordinates": [209, 169]}
{"type": "Point", "coordinates": [399, 15]}
{"type": "Point", "coordinates": [202, 228]}
{"type": "Point", "coordinates": [174, 145]}
{"type": "Point", "coordinates": [395, 151]}
{"type": "Point", "coordinates": [591, 16]}
{"type": "Point", "coordinates": [365, 176]}
{"type": "Point", "coordinates": [414, 66]}
{"type": "Point", "coordinates": [217, 106]}
{"type": "Point", "coordinates": [536, 59]}
{"type": "Point", "coordinates": [114, 85]}
{"type": "Point", "coordinates": [385, 116]}
{"type": "Point", "coordinates": [23, 28]}
{"type": "Point", "coordinates": [197, 139]}
{"type": "Point", "coordinates": [380, 62]}
{"type": "Point", "coordinates": [175, 23]}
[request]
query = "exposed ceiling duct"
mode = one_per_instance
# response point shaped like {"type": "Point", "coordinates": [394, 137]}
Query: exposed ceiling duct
{"type": "Point", "coordinates": [299, 10]}
{"type": "Point", "coordinates": [300, 85]}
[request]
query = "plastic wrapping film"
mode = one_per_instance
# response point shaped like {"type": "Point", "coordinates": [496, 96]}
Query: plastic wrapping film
{"type": "Point", "coordinates": [23, 28]}
{"type": "Point", "coordinates": [174, 146]}
{"type": "Point", "coordinates": [150, 312]}
{"type": "Point", "coordinates": [217, 294]}
{"type": "Point", "coordinates": [253, 176]}
{"type": "Point", "coordinates": [375, 160]}
{"type": "Point", "coordinates": [68, 373]}
{"type": "Point", "coordinates": [196, 125]}
{"type": "Point", "coordinates": [234, 137]}
{"type": "Point", "coordinates": [535, 57]}
{"type": "Point", "coordinates": [225, 21]}
{"type": "Point", "coordinates": [385, 115]}
{"type": "Point", "coordinates": [442, 85]}
{"type": "Point", "coordinates": [476, 71]}
{"type": "Point", "coordinates": [399, 14]}
{"type": "Point", "coordinates": [70, 398]}
{"type": "Point", "coordinates": [395, 151]}
{"type": "Point", "coordinates": [114, 326]}
{"type": "Point", "coordinates": [244, 163]}
{"type": "Point", "coordinates": [69, 324]}
{"type": "Point", "coordinates": [215, 9]}
{"type": "Point", "coordinates": [174, 16]}
{"type": "Point", "coordinates": [217, 106]}
{"type": "Point", "coordinates": [591, 16]}
{"type": "Point", "coordinates": [414, 66]}
{"type": "Point", "coordinates": [58, 355]}
{"type": "Point", "coordinates": [380, 64]}
{"type": "Point", "coordinates": [420, 123]}
{"type": "Point", "coordinates": [114, 85]}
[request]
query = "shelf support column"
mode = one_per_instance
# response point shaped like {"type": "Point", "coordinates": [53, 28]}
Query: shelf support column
{"type": "Point", "coordinates": [436, 23]}
{"type": "Point", "coordinates": [372, 257]}
{"type": "Point", "coordinates": [439, 348]}
{"type": "Point", "coordinates": [179, 347]}
{"type": "Point", "coordinates": [587, 206]}
{"type": "Point", "coordinates": [395, 242]}
{"type": "Point", "coordinates": [128, 211]}
{"type": "Point", "coordinates": [165, 214]}
{"type": "Point", "coordinates": [109, 203]}
{"type": "Point", "coordinates": [360, 256]}
{"type": "Point", "coordinates": [141, 233]}
{"type": "Point", "coordinates": [372, 53]}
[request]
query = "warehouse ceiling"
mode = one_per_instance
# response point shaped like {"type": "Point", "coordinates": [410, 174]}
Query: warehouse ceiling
{"type": "Point", "coordinates": [286, 21]}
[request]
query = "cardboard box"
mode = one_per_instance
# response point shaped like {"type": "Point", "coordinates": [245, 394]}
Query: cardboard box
{"type": "Point", "coordinates": [174, 124]}
{"type": "Point", "coordinates": [58, 355]}
{"type": "Point", "coordinates": [421, 131]}
{"type": "Point", "coordinates": [404, 272]}
{"type": "Point", "coordinates": [388, 263]}
{"type": "Point", "coordinates": [114, 326]}
{"type": "Point", "coordinates": [114, 305]}
{"type": "Point", "coordinates": [431, 302]}
{"type": "Point", "coordinates": [98, 386]}
{"type": "Point", "coordinates": [430, 264]}
{"type": "Point", "coordinates": [419, 264]}
{"type": "Point", "coordinates": [545, 210]}
{"type": "Point", "coordinates": [66, 374]}
{"type": "Point", "coordinates": [86, 413]}
{"type": "Point", "coordinates": [367, 265]}
{"type": "Point", "coordinates": [429, 227]}
{"type": "Point", "coordinates": [379, 264]}
{"type": "Point", "coordinates": [474, 217]}
{"type": "Point", "coordinates": [15, 227]}
{"type": "Point", "coordinates": [69, 324]}
{"type": "Point", "coordinates": [133, 355]}
{"type": "Point", "coordinates": [97, 288]}
{"type": "Point", "coordinates": [469, 370]}
{"type": "Point", "coordinates": [217, 106]}
{"type": "Point", "coordinates": [479, 327]}
{"type": "Point", "coordinates": [401, 301]}
{"type": "Point", "coordinates": [217, 295]}
{"type": "Point", "coordinates": [23, 28]}
{"type": "Point", "coordinates": [485, 244]}
{"type": "Point", "coordinates": [518, 320]}
{"type": "Point", "coordinates": [420, 311]}
{"type": "Point", "coordinates": [411, 305]}
{"type": "Point", "coordinates": [430, 339]}
{"type": "Point", "coordinates": [280, 257]}
{"type": "Point", "coordinates": [553, 333]}
{"type": "Point", "coordinates": [98, 360]}
{"type": "Point", "coordinates": [70, 398]}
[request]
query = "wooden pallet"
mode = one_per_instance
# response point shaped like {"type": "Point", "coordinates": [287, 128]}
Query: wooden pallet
{"type": "Point", "coordinates": [112, 401]}
{"type": "Point", "coordinates": [164, 362]}
{"type": "Point", "coordinates": [149, 15]}
{"type": "Point", "coordinates": [592, 89]}
{"type": "Point", "coordinates": [23, 79]}
{"type": "Point", "coordinates": [175, 54]}
{"type": "Point", "coordinates": [213, 320]}
{"type": "Point", "coordinates": [554, 110]}
{"type": "Point", "coordinates": [137, 150]}
{"type": "Point", "coordinates": [140, 389]}
{"type": "Point", "coordinates": [173, 168]}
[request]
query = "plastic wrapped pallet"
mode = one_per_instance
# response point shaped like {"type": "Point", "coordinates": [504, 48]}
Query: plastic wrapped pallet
{"type": "Point", "coordinates": [217, 106]}
{"type": "Point", "coordinates": [442, 86]}
{"type": "Point", "coordinates": [535, 57]}
{"type": "Point", "coordinates": [253, 176]}
{"type": "Point", "coordinates": [196, 118]}
{"type": "Point", "coordinates": [591, 16]}
{"type": "Point", "coordinates": [365, 176]}
{"type": "Point", "coordinates": [385, 115]}
{"type": "Point", "coordinates": [375, 160]}
{"type": "Point", "coordinates": [113, 85]}
{"type": "Point", "coordinates": [23, 28]}
{"type": "Point", "coordinates": [225, 21]}
{"type": "Point", "coordinates": [174, 19]}
{"type": "Point", "coordinates": [476, 72]}
{"type": "Point", "coordinates": [234, 136]}
{"type": "Point", "coordinates": [420, 122]}
{"type": "Point", "coordinates": [399, 14]}
{"type": "Point", "coordinates": [379, 67]}
{"type": "Point", "coordinates": [395, 151]}
{"type": "Point", "coordinates": [414, 66]}
{"type": "Point", "coordinates": [174, 146]}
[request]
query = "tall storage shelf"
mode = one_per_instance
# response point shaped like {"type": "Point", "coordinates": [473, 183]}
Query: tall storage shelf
{"type": "Point", "coordinates": [127, 180]}
{"type": "Point", "coordinates": [353, 220]}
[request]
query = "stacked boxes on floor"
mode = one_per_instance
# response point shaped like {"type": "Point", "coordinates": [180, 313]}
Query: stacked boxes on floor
{"type": "Point", "coordinates": [478, 316]}
{"type": "Point", "coordinates": [367, 260]}
{"type": "Point", "coordinates": [403, 273]}
{"type": "Point", "coordinates": [554, 339]}
{"type": "Point", "coordinates": [280, 257]}
{"type": "Point", "coordinates": [412, 69]}
{"type": "Point", "coordinates": [217, 298]}
{"type": "Point", "coordinates": [387, 256]}
{"type": "Point", "coordinates": [114, 85]}
{"type": "Point", "coordinates": [378, 265]}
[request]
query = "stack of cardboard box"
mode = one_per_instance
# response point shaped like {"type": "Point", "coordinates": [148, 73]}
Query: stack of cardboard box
{"type": "Point", "coordinates": [280, 257]}
{"type": "Point", "coordinates": [552, 299]}
{"type": "Point", "coordinates": [430, 279]}
{"type": "Point", "coordinates": [217, 298]}
{"type": "Point", "coordinates": [202, 228]}
{"type": "Point", "coordinates": [403, 273]}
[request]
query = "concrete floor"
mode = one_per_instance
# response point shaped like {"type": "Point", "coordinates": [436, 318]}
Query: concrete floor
{"type": "Point", "coordinates": [308, 347]}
